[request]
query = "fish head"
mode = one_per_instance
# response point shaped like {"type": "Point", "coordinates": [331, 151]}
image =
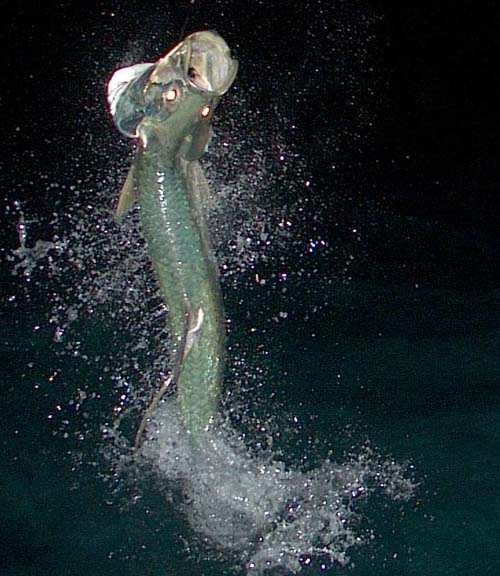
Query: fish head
{"type": "Point", "coordinates": [202, 61]}
{"type": "Point", "coordinates": [183, 90]}
{"type": "Point", "coordinates": [173, 100]}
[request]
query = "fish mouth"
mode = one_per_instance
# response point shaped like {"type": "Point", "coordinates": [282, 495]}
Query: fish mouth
{"type": "Point", "coordinates": [205, 62]}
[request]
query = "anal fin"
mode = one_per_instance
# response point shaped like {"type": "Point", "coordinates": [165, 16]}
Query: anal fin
{"type": "Point", "coordinates": [193, 326]}
{"type": "Point", "coordinates": [150, 409]}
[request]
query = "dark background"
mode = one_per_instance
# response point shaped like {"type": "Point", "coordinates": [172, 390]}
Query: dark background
{"type": "Point", "coordinates": [435, 148]}
{"type": "Point", "coordinates": [445, 91]}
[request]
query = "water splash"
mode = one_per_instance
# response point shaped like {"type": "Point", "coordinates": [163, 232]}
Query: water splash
{"type": "Point", "coordinates": [249, 504]}
{"type": "Point", "coordinates": [27, 258]}
{"type": "Point", "coordinates": [241, 497]}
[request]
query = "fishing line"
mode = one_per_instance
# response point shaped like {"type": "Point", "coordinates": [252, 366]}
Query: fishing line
{"type": "Point", "coordinates": [183, 29]}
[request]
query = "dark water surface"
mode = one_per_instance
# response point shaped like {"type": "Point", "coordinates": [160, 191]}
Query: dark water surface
{"type": "Point", "coordinates": [418, 376]}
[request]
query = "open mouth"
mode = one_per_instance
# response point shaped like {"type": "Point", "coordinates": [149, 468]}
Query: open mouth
{"type": "Point", "coordinates": [204, 60]}
{"type": "Point", "coordinates": [209, 64]}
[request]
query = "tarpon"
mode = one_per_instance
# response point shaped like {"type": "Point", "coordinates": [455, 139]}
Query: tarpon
{"type": "Point", "coordinates": [167, 107]}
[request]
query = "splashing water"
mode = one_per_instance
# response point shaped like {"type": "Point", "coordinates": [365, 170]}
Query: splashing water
{"type": "Point", "coordinates": [241, 501]}
{"type": "Point", "coordinates": [240, 498]}
{"type": "Point", "coordinates": [251, 505]}
{"type": "Point", "coordinates": [27, 258]}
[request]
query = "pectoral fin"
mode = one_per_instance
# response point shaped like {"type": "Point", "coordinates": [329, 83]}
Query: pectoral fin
{"type": "Point", "coordinates": [127, 197]}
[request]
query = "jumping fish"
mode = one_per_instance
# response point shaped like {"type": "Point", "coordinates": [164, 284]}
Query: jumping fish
{"type": "Point", "coordinates": [167, 107]}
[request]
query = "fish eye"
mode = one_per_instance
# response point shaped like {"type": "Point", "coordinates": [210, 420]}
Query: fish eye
{"type": "Point", "coordinates": [205, 111]}
{"type": "Point", "coordinates": [170, 95]}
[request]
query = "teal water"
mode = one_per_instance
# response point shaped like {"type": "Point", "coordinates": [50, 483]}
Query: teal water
{"type": "Point", "coordinates": [413, 370]}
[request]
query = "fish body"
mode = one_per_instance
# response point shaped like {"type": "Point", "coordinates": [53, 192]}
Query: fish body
{"type": "Point", "coordinates": [167, 107]}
